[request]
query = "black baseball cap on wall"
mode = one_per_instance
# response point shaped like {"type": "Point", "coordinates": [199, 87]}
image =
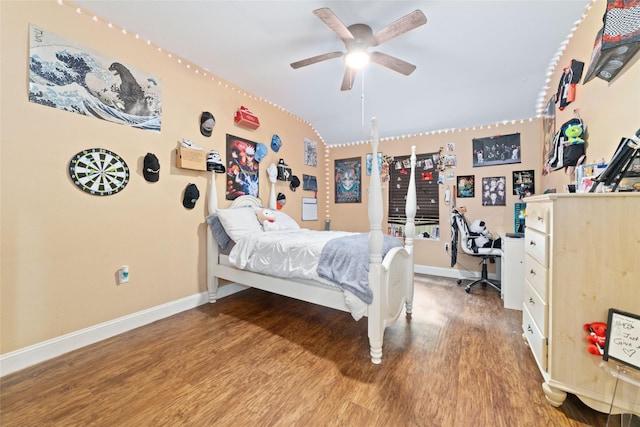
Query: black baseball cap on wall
{"type": "Point", "coordinates": [295, 183]}
{"type": "Point", "coordinates": [151, 170]}
{"type": "Point", "coordinates": [191, 195]}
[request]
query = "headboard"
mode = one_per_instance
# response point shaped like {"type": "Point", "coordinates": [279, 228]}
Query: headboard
{"type": "Point", "coordinates": [244, 201]}
{"type": "Point", "coordinates": [212, 202]}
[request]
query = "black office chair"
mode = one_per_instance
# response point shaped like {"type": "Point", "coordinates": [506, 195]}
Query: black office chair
{"type": "Point", "coordinates": [460, 229]}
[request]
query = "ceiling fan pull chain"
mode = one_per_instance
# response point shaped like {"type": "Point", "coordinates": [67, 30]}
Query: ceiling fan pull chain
{"type": "Point", "coordinates": [362, 101]}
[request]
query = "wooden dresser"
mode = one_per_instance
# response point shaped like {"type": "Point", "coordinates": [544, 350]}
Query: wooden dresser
{"type": "Point", "coordinates": [582, 257]}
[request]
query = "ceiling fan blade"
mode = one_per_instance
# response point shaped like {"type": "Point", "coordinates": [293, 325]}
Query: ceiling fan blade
{"type": "Point", "coordinates": [331, 20]}
{"type": "Point", "coordinates": [315, 59]}
{"type": "Point", "coordinates": [401, 26]}
{"type": "Point", "coordinates": [392, 63]}
{"type": "Point", "coordinates": [347, 80]}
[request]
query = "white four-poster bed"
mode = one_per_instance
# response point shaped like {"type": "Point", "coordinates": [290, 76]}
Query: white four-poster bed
{"type": "Point", "coordinates": [390, 278]}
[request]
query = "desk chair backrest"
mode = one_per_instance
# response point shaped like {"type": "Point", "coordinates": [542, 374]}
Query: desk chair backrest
{"type": "Point", "coordinates": [460, 229]}
{"type": "Point", "coordinates": [459, 222]}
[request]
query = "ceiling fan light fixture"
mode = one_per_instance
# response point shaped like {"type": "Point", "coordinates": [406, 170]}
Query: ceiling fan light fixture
{"type": "Point", "coordinates": [357, 59]}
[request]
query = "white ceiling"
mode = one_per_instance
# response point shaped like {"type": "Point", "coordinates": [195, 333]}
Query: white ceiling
{"type": "Point", "coordinates": [478, 62]}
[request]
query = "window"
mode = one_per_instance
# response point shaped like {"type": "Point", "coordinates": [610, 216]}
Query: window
{"type": "Point", "coordinates": [427, 193]}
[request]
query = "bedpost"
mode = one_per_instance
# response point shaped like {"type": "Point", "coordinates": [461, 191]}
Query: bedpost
{"type": "Point", "coordinates": [376, 238]}
{"type": "Point", "coordinates": [272, 196]}
{"type": "Point", "coordinates": [411, 205]}
{"type": "Point", "coordinates": [410, 227]}
{"type": "Point", "coordinates": [212, 201]}
{"type": "Point", "coordinates": [212, 245]}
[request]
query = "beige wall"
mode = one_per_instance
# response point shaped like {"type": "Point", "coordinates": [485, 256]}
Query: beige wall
{"type": "Point", "coordinates": [61, 247]}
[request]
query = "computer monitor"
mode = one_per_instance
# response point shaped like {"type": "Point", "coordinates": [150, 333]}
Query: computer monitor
{"type": "Point", "coordinates": [620, 162]}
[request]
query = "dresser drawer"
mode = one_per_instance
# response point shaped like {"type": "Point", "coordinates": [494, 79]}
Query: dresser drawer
{"type": "Point", "coordinates": [536, 245]}
{"type": "Point", "coordinates": [538, 309]}
{"type": "Point", "coordinates": [536, 275]}
{"type": "Point", "coordinates": [537, 341]}
{"type": "Point", "coordinates": [538, 217]}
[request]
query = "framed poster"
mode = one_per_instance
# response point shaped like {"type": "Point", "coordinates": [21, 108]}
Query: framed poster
{"type": "Point", "coordinates": [65, 75]}
{"type": "Point", "coordinates": [309, 183]}
{"type": "Point", "coordinates": [466, 186]}
{"type": "Point", "coordinates": [242, 170]}
{"type": "Point", "coordinates": [348, 180]}
{"type": "Point", "coordinates": [493, 191]}
{"type": "Point", "coordinates": [623, 338]}
{"type": "Point", "coordinates": [368, 162]}
{"type": "Point", "coordinates": [310, 152]}
{"type": "Point", "coordinates": [524, 183]}
{"type": "Point", "coordinates": [496, 150]}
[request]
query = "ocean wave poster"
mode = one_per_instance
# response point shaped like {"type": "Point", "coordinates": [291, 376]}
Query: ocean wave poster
{"type": "Point", "coordinates": [70, 77]}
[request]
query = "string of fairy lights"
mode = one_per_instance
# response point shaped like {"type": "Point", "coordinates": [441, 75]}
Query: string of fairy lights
{"type": "Point", "coordinates": [540, 101]}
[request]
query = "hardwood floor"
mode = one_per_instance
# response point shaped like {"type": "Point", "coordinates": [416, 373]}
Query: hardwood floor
{"type": "Point", "coordinates": [257, 359]}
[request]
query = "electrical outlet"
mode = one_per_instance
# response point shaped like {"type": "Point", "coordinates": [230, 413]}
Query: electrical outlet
{"type": "Point", "coordinates": [446, 247]}
{"type": "Point", "coordinates": [123, 275]}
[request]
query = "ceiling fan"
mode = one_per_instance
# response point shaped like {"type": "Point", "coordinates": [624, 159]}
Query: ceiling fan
{"type": "Point", "coordinates": [358, 38]}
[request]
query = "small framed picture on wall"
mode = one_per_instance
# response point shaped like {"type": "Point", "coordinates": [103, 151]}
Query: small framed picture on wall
{"type": "Point", "coordinates": [369, 159]}
{"type": "Point", "coordinates": [524, 183]}
{"type": "Point", "coordinates": [493, 191]}
{"type": "Point", "coordinates": [466, 186]}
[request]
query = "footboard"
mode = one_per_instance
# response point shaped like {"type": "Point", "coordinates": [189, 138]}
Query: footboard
{"type": "Point", "coordinates": [396, 284]}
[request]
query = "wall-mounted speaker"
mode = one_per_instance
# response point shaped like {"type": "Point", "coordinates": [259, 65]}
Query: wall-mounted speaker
{"type": "Point", "coordinates": [618, 40]}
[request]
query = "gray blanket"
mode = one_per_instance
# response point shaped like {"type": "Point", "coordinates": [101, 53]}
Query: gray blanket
{"type": "Point", "coordinates": [345, 262]}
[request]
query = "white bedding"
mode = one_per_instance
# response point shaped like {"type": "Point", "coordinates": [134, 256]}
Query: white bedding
{"type": "Point", "coordinates": [297, 252]}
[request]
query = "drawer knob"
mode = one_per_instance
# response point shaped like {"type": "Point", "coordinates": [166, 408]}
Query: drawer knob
{"type": "Point", "coordinates": [540, 218]}
{"type": "Point", "coordinates": [532, 301]}
{"type": "Point", "coordinates": [529, 329]}
{"type": "Point", "coordinates": [532, 243]}
{"type": "Point", "coordinates": [532, 272]}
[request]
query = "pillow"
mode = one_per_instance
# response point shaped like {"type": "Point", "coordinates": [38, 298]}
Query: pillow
{"type": "Point", "coordinates": [239, 222]}
{"type": "Point", "coordinates": [221, 236]}
{"type": "Point", "coordinates": [283, 222]}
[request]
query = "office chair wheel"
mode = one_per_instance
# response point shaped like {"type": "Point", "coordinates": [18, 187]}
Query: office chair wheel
{"type": "Point", "coordinates": [467, 289]}
{"type": "Point", "coordinates": [459, 281]}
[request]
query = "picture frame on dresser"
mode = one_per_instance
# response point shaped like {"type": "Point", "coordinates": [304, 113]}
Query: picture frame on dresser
{"type": "Point", "coordinates": [622, 343]}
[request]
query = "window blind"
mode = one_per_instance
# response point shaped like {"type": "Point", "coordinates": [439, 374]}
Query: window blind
{"type": "Point", "coordinates": [427, 193]}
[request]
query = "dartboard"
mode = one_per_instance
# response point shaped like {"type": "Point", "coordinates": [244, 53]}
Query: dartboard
{"type": "Point", "coordinates": [98, 171]}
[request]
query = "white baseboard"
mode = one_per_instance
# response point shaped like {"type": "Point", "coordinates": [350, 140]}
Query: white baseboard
{"type": "Point", "coordinates": [40, 352]}
{"type": "Point", "coordinates": [450, 272]}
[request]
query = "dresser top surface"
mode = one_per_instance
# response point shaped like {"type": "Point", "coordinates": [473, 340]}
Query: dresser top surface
{"type": "Point", "coordinates": [557, 196]}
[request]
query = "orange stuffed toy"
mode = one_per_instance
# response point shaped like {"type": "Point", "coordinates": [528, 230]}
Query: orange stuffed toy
{"type": "Point", "coordinates": [597, 336]}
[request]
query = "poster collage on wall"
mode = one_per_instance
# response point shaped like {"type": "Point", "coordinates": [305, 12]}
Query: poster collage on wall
{"type": "Point", "coordinates": [488, 151]}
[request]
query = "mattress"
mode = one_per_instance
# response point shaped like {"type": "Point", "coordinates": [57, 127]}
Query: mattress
{"type": "Point", "coordinates": [297, 253]}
